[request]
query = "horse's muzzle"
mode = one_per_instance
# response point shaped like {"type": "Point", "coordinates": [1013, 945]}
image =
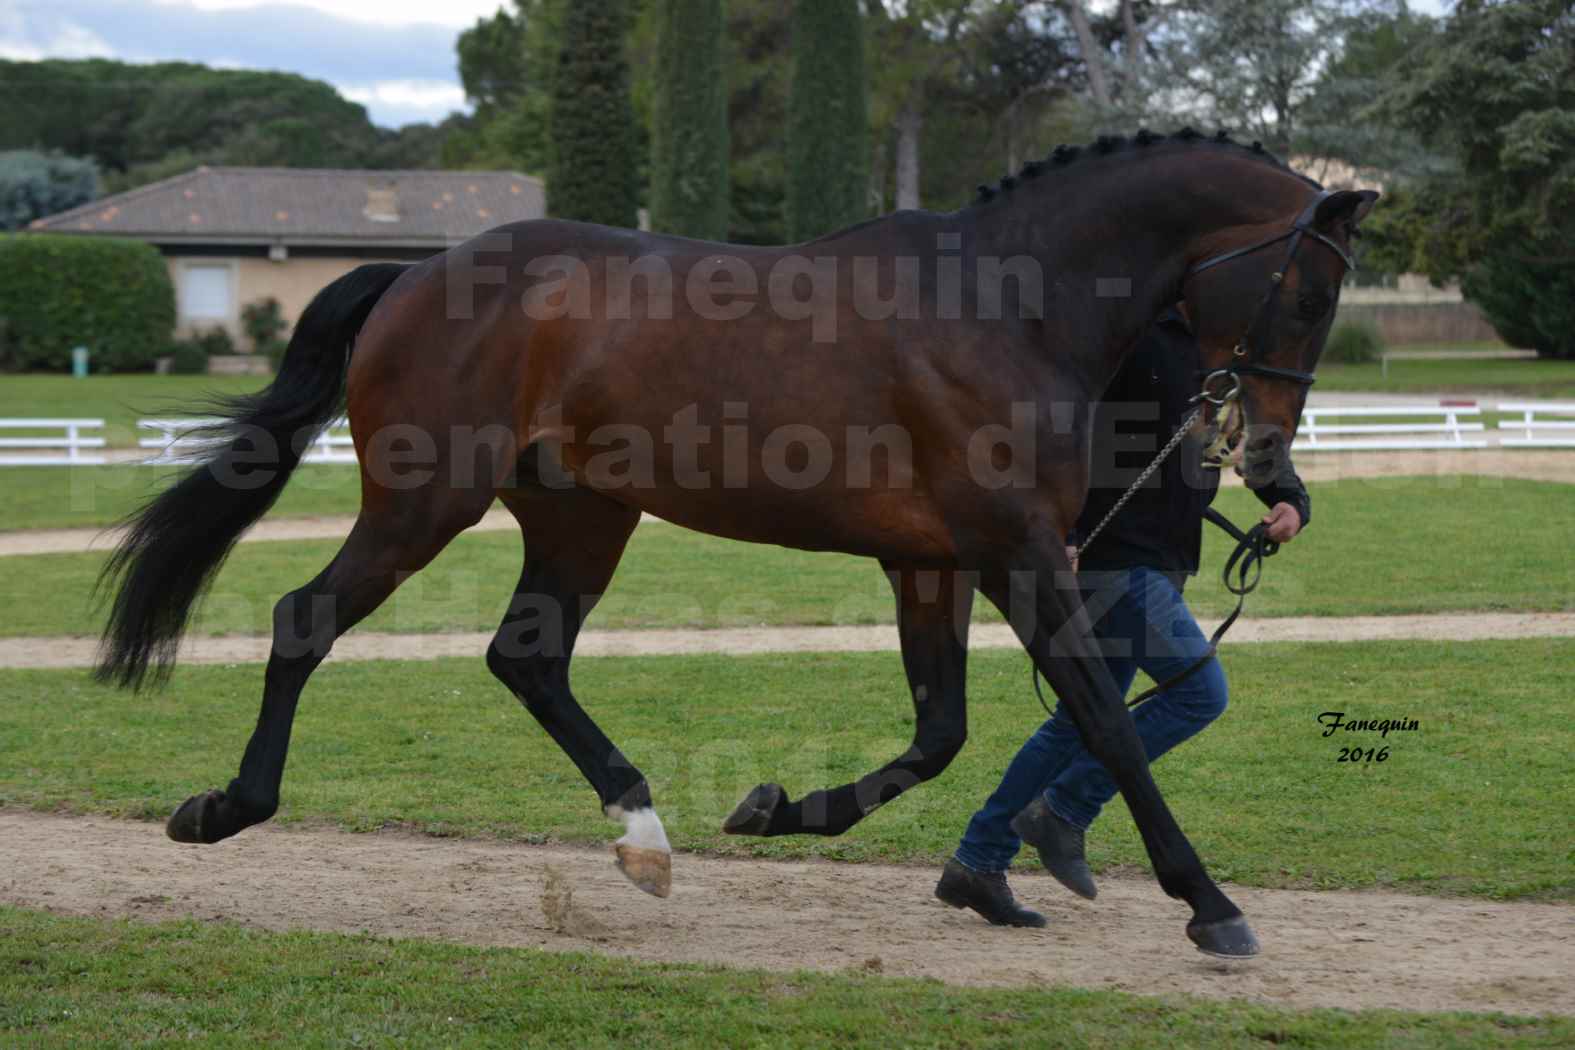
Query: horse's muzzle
{"type": "Point", "coordinates": [1264, 456]}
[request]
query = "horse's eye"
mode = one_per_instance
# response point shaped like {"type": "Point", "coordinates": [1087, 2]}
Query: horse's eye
{"type": "Point", "coordinates": [1312, 307]}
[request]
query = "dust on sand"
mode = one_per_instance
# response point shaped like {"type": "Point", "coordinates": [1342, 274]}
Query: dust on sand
{"type": "Point", "coordinates": [1334, 949]}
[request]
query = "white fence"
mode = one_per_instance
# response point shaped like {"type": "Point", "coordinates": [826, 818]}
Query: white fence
{"type": "Point", "coordinates": [73, 441]}
{"type": "Point", "coordinates": [1419, 427]}
{"type": "Point", "coordinates": [175, 442]}
{"type": "Point", "coordinates": [1533, 430]}
{"type": "Point", "coordinates": [182, 441]}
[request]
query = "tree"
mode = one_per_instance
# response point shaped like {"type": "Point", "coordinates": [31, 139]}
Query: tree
{"type": "Point", "coordinates": [506, 65]}
{"type": "Point", "coordinates": [593, 169]}
{"type": "Point", "coordinates": [1093, 54]}
{"type": "Point", "coordinates": [758, 75]}
{"type": "Point", "coordinates": [33, 185]}
{"type": "Point", "coordinates": [412, 147]}
{"type": "Point", "coordinates": [689, 138]}
{"type": "Point", "coordinates": [1337, 123]}
{"type": "Point", "coordinates": [140, 122]}
{"type": "Point", "coordinates": [1252, 65]}
{"type": "Point", "coordinates": [492, 59]}
{"type": "Point", "coordinates": [1496, 89]}
{"type": "Point", "coordinates": [917, 49]}
{"type": "Point", "coordinates": [1020, 64]}
{"type": "Point", "coordinates": [828, 120]}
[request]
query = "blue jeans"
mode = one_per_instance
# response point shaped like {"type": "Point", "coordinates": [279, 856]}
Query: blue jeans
{"type": "Point", "coordinates": [1149, 627]}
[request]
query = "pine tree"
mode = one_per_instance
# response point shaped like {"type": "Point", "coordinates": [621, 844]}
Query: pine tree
{"type": "Point", "coordinates": [593, 171]}
{"type": "Point", "coordinates": [828, 120]}
{"type": "Point", "coordinates": [689, 140]}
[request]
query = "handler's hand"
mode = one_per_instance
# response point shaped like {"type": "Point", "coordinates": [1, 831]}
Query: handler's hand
{"type": "Point", "coordinates": [1283, 522]}
{"type": "Point", "coordinates": [1071, 556]}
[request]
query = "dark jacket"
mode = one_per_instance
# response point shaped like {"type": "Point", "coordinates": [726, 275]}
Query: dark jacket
{"type": "Point", "coordinates": [1161, 527]}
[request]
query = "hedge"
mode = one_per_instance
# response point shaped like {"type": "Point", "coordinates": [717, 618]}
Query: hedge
{"type": "Point", "coordinates": [1353, 344]}
{"type": "Point", "coordinates": [60, 291]}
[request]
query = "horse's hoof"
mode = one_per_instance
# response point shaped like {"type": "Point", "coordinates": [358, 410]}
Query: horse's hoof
{"type": "Point", "coordinates": [196, 813]}
{"type": "Point", "coordinates": [649, 869]}
{"type": "Point", "coordinates": [1224, 938]}
{"type": "Point", "coordinates": [753, 815]}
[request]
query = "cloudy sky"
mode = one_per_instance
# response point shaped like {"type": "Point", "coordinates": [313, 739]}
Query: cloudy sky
{"type": "Point", "coordinates": [396, 57]}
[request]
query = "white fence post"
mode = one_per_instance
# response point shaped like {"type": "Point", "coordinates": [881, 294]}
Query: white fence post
{"type": "Point", "coordinates": [73, 442]}
{"type": "Point", "coordinates": [1445, 422]}
{"type": "Point", "coordinates": [1529, 424]}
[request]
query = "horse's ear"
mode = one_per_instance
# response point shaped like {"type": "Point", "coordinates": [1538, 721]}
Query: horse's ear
{"type": "Point", "coordinates": [1345, 206]}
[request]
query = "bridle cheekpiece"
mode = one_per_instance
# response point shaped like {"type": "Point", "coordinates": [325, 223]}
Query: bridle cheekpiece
{"type": "Point", "coordinates": [1243, 365]}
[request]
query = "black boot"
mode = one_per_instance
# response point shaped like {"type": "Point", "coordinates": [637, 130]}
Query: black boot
{"type": "Point", "coordinates": [1060, 846]}
{"type": "Point", "coordinates": [986, 893]}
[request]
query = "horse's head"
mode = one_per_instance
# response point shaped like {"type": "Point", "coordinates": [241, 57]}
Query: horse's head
{"type": "Point", "coordinates": [1261, 309]}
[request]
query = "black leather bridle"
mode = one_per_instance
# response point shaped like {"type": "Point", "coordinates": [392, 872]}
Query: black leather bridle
{"type": "Point", "coordinates": [1243, 365]}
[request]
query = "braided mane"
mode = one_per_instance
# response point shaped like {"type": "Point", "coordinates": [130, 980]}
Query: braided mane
{"type": "Point", "coordinates": [1107, 144]}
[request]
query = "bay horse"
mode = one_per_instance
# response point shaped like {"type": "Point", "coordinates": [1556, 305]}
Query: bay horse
{"type": "Point", "coordinates": [916, 390]}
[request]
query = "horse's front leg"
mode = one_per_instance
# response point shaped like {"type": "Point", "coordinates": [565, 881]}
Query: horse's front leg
{"type": "Point", "coordinates": [1037, 592]}
{"type": "Point", "coordinates": [933, 606]}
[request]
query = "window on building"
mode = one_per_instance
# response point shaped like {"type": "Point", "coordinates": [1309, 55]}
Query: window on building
{"type": "Point", "coordinates": [205, 293]}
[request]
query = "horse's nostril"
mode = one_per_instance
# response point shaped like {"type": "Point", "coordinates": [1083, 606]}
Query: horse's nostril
{"type": "Point", "coordinates": [1261, 445]}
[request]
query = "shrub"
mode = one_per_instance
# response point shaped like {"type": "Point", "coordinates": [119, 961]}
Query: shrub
{"type": "Point", "coordinates": [190, 356]}
{"type": "Point", "coordinates": [263, 322]}
{"type": "Point", "coordinates": [1353, 344]}
{"type": "Point", "coordinates": [187, 357]}
{"type": "Point", "coordinates": [215, 342]}
{"type": "Point", "coordinates": [60, 291]}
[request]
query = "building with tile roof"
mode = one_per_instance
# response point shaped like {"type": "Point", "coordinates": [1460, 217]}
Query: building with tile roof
{"type": "Point", "coordinates": [236, 235]}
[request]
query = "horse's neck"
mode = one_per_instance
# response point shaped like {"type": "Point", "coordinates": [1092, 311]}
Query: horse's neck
{"type": "Point", "coordinates": [1112, 262]}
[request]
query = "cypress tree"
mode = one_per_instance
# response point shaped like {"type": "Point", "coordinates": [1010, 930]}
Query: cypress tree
{"type": "Point", "coordinates": [689, 140]}
{"type": "Point", "coordinates": [828, 120]}
{"type": "Point", "coordinates": [592, 175]}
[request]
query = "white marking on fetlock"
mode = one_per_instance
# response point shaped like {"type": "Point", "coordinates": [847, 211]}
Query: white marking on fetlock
{"type": "Point", "coordinates": [642, 828]}
{"type": "Point", "coordinates": [644, 856]}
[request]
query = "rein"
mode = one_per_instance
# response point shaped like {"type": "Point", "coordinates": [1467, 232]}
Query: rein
{"type": "Point", "coordinates": [1241, 575]}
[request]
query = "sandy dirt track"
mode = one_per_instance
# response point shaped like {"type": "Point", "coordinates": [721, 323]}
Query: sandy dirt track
{"type": "Point", "coordinates": [79, 652]}
{"type": "Point", "coordinates": [1339, 949]}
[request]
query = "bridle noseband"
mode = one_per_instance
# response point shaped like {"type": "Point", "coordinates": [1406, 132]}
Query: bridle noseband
{"type": "Point", "coordinates": [1242, 366]}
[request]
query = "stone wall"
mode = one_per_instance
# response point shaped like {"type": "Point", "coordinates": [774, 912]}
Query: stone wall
{"type": "Point", "coordinates": [1406, 324]}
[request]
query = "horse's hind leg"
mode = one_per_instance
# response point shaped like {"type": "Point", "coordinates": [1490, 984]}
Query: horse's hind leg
{"type": "Point", "coordinates": [573, 540]}
{"type": "Point", "coordinates": [382, 549]}
{"type": "Point", "coordinates": [933, 609]}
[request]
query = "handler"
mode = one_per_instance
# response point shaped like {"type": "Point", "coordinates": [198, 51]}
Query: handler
{"type": "Point", "coordinates": [1053, 789]}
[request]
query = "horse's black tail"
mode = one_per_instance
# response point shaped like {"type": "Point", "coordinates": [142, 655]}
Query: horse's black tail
{"type": "Point", "coordinates": [176, 542]}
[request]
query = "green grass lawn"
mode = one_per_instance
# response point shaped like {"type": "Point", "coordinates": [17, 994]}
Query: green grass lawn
{"type": "Point", "coordinates": [1375, 546]}
{"type": "Point", "coordinates": [1451, 348]}
{"type": "Point", "coordinates": [92, 497]}
{"type": "Point", "coordinates": [1474, 802]}
{"type": "Point", "coordinates": [119, 400]}
{"type": "Point", "coordinates": [1511, 379]}
{"type": "Point", "coordinates": [69, 982]}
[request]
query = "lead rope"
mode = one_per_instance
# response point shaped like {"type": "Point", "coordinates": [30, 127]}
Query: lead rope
{"type": "Point", "coordinates": [1246, 561]}
{"type": "Point", "coordinates": [1148, 472]}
